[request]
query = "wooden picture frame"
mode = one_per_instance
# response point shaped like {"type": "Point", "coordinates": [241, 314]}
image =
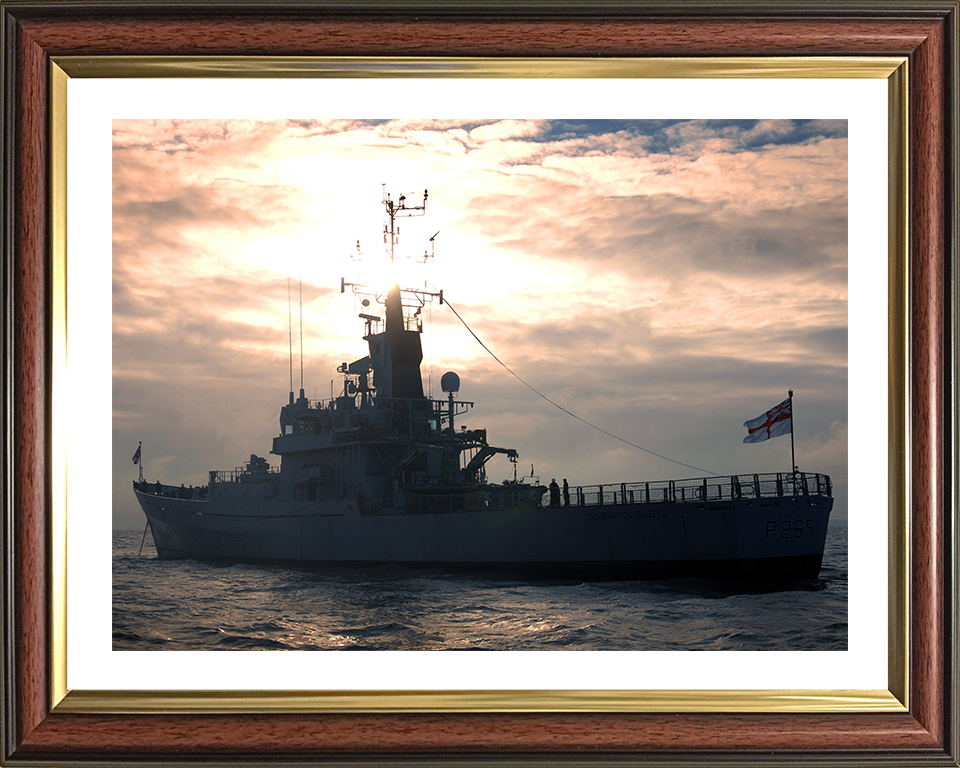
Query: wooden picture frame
{"type": "Point", "coordinates": [37, 731]}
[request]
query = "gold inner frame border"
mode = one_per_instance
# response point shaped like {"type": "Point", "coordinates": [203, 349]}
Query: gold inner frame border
{"type": "Point", "coordinates": [895, 699]}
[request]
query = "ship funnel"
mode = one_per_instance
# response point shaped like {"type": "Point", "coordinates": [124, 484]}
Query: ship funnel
{"type": "Point", "coordinates": [450, 382]}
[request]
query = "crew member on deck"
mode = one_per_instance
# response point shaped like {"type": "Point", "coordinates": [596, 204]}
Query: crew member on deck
{"type": "Point", "coordinates": [566, 493]}
{"type": "Point", "coordinates": [554, 493]}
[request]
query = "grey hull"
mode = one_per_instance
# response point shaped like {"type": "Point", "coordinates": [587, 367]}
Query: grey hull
{"type": "Point", "coordinates": [749, 539]}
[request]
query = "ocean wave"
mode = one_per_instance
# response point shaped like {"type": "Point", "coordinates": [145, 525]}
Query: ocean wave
{"type": "Point", "coordinates": [186, 605]}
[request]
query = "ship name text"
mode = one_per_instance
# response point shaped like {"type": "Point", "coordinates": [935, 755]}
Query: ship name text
{"type": "Point", "coordinates": [790, 529]}
{"type": "Point", "coordinates": [234, 540]}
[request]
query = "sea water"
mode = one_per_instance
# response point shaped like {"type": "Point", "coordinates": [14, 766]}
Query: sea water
{"type": "Point", "coordinates": [186, 605]}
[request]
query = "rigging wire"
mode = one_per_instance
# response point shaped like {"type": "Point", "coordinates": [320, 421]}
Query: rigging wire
{"type": "Point", "coordinates": [143, 538]}
{"type": "Point", "coordinates": [430, 331]}
{"type": "Point", "coordinates": [569, 413]}
{"type": "Point", "coordinates": [300, 281]}
{"type": "Point", "coordinates": [290, 336]}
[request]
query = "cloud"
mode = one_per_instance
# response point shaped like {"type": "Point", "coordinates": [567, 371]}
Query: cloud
{"type": "Point", "coordinates": [506, 129]}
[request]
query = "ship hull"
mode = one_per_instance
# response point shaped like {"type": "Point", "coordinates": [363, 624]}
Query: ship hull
{"type": "Point", "coordinates": [758, 540]}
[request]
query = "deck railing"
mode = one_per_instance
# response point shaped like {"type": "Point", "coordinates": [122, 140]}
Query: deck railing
{"type": "Point", "coordinates": [243, 475]}
{"type": "Point", "coordinates": [171, 491]}
{"type": "Point", "coordinates": [704, 489]}
{"type": "Point", "coordinates": [769, 485]}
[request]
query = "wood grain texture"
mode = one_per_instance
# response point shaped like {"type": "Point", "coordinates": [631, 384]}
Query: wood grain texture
{"type": "Point", "coordinates": [294, 736]}
{"type": "Point", "coordinates": [452, 37]}
{"type": "Point", "coordinates": [929, 351]}
{"type": "Point", "coordinates": [891, 739]}
{"type": "Point", "coordinates": [31, 499]}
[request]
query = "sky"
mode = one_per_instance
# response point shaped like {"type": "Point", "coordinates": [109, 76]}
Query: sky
{"type": "Point", "coordinates": [662, 280]}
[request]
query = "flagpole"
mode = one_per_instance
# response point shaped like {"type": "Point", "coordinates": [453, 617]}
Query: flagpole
{"type": "Point", "coordinates": [793, 454]}
{"type": "Point", "coordinates": [140, 462]}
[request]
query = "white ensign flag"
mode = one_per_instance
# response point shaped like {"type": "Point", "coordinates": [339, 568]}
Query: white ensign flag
{"type": "Point", "coordinates": [775, 422]}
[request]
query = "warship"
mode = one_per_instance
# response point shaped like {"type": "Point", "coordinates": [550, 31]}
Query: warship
{"type": "Point", "coordinates": [381, 474]}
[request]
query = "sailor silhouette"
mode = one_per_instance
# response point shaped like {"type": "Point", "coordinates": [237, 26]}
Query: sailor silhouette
{"type": "Point", "coordinates": [554, 493]}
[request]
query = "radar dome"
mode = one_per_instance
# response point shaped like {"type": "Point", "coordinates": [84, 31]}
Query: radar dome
{"type": "Point", "coordinates": [450, 382]}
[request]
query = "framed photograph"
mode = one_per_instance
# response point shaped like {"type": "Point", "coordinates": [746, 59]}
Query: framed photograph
{"type": "Point", "coordinates": [70, 697]}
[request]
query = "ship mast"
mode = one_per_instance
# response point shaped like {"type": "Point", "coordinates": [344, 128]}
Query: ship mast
{"type": "Point", "coordinates": [397, 209]}
{"type": "Point", "coordinates": [395, 350]}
